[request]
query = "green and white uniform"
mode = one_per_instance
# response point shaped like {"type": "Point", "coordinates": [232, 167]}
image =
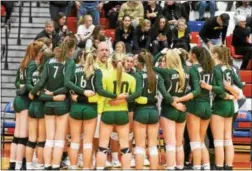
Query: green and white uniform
{"type": "Point", "coordinates": [222, 107]}
{"type": "Point", "coordinates": [53, 77]}
{"type": "Point", "coordinates": [201, 97]}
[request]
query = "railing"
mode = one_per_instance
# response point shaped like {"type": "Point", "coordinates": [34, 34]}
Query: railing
{"type": "Point", "coordinates": [7, 33]}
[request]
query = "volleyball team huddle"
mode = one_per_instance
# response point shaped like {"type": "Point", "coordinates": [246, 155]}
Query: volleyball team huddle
{"type": "Point", "coordinates": [98, 96]}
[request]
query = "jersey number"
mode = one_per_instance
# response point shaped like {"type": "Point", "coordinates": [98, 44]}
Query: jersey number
{"type": "Point", "coordinates": [206, 78]}
{"type": "Point", "coordinates": [56, 71]}
{"type": "Point", "coordinates": [177, 89]}
{"type": "Point", "coordinates": [124, 87]}
{"type": "Point", "coordinates": [83, 82]}
{"type": "Point", "coordinates": [21, 75]}
{"type": "Point", "coordinates": [228, 77]}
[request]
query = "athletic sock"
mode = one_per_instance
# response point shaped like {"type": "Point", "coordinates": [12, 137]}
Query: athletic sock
{"type": "Point", "coordinates": [18, 165]}
{"type": "Point", "coordinates": [115, 156]}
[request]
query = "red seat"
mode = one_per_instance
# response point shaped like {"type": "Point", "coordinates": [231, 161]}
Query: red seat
{"type": "Point", "coordinates": [231, 47]}
{"type": "Point", "coordinates": [3, 10]}
{"type": "Point", "coordinates": [102, 14]}
{"type": "Point", "coordinates": [247, 90]}
{"type": "Point", "coordinates": [195, 38]}
{"type": "Point", "coordinates": [249, 66]}
{"type": "Point", "coordinates": [104, 22]}
{"type": "Point", "coordinates": [72, 24]}
{"type": "Point", "coordinates": [110, 33]}
{"type": "Point", "coordinates": [246, 76]}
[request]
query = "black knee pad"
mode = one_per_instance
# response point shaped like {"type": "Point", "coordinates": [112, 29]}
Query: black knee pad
{"type": "Point", "coordinates": [15, 140]}
{"type": "Point", "coordinates": [41, 144]}
{"type": "Point", "coordinates": [31, 144]}
{"type": "Point", "coordinates": [103, 150]}
{"type": "Point", "coordinates": [125, 150]}
{"type": "Point", "coordinates": [22, 141]}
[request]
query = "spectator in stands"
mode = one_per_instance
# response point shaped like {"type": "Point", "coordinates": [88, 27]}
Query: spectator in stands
{"type": "Point", "coordinates": [125, 33]}
{"type": "Point", "coordinates": [202, 6]}
{"type": "Point", "coordinates": [229, 5]}
{"type": "Point", "coordinates": [152, 11]}
{"type": "Point", "coordinates": [181, 35]}
{"type": "Point", "coordinates": [59, 6]}
{"type": "Point", "coordinates": [89, 7]}
{"type": "Point", "coordinates": [214, 30]}
{"type": "Point", "coordinates": [245, 9]}
{"type": "Point", "coordinates": [60, 25]}
{"type": "Point", "coordinates": [111, 10]}
{"type": "Point", "coordinates": [99, 31]}
{"type": "Point", "coordinates": [85, 30]}
{"type": "Point", "coordinates": [172, 11]}
{"type": "Point", "coordinates": [9, 8]}
{"type": "Point", "coordinates": [134, 9]}
{"type": "Point", "coordinates": [95, 41]}
{"type": "Point", "coordinates": [142, 34]}
{"type": "Point", "coordinates": [186, 9]}
{"type": "Point", "coordinates": [120, 47]}
{"type": "Point", "coordinates": [161, 36]}
{"type": "Point", "coordinates": [240, 41]}
{"type": "Point", "coordinates": [49, 32]}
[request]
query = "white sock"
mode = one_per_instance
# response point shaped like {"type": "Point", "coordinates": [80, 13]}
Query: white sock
{"type": "Point", "coordinates": [55, 166]}
{"type": "Point", "coordinates": [29, 166]}
{"type": "Point", "coordinates": [206, 166]}
{"type": "Point", "coordinates": [115, 156]}
{"type": "Point", "coordinates": [73, 167]}
{"type": "Point", "coordinates": [99, 168]}
{"type": "Point", "coordinates": [18, 165]}
{"type": "Point", "coordinates": [197, 167]}
{"type": "Point", "coordinates": [47, 165]}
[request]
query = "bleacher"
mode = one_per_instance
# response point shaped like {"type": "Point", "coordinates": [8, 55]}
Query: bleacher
{"type": "Point", "coordinates": [242, 134]}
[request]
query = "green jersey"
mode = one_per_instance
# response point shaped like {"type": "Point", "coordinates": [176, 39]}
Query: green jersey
{"type": "Point", "coordinates": [53, 76]}
{"type": "Point", "coordinates": [197, 74]}
{"type": "Point", "coordinates": [221, 74]}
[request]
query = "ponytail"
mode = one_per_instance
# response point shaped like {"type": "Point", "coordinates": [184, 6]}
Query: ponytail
{"type": "Point", "coordinates": [223, 54]}
{"type": "Point", "coordinates": [65, 47]}
{"type": "Point", "coordinates": [145, 57]}
{"type": "Point", "coordinates": [32, 51]}
{"type": "Point", "coordinates": [89, 65]}
{"type": "Point", "coordinates": [117, 62]}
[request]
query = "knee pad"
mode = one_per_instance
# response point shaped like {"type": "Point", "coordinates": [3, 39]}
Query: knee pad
{"type": "Point", "coordinates": [153, 151]}
{"type": "Point", "coordinates": [41, 144]}
{"type": "Point", "coordinates": [15, 140]}
{"type": "Point", "coordinates": [203, 145]}
{"type": "Point", "coordinates": [179, 148]}
{"type": "Point", "coordinates": [170, 147]}
{"type": "Point", "coordinates": [49, 143]}
{"type": "Point", "coordinates": [195, 145]}
{"type": "Point", "coordinates": [59, 143]}
{"type": "Point", "coordinates": [103, 150]}
{"type": "Point", "coordinates": [75, 146]}
{"type": "Point", "coordinates": [131, 135]}
{"type": "Point", "coordinates": [22, 141]}
{"type": "Point", "coordinates": [114, 136]}
{"type": "Point", "coordinates": [31, 144]}
{"type": "Point", "coordinates": [139, 150]}
{"type": "Point", "coordinates": [87, 146]}
{"type": "Point", "coordinates": [228, 142]}
{"type": "Point", "coordinates": [218, 143]}
{"type": "Point", "coordinates": [125, 150]}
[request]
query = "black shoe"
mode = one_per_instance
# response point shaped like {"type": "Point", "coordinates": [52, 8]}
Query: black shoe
{"type": "Point", "coordinates": [12, 166]}
{"type": "Point", "coordinates": [48, 168]}
{"type": "Point", "coordinates": [188, 166]}
{"type": "Point", "coordinates": [218, 168]}
{"type": "Point", "coordinates": [226, 167]}
{"type": "Point", "coordinates": [23, 164]}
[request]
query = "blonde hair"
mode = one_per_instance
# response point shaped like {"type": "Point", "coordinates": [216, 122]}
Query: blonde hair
{"type": "Point", "coordinates": [89, 68]}
{"type": "Point", "coordinates": [122, 44]}
{"type": "Point", "coordinates": [223, 54]}
{"type": "Point", "coordinates": [83, 19]}
{"type": "Point", "coordinates": [173, 61]}
{"type": "Point", "coordinates": [32, 51]}
{"type": "Point", "coordinates": [117, 62]}
{"type": "Point", "coordinates": [64, 48]}
{"type": "Point", "coordinates": [144, 22]}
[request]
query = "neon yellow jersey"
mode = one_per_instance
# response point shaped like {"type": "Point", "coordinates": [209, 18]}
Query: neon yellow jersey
{"type": "Point", "coordinates": [128, 85]}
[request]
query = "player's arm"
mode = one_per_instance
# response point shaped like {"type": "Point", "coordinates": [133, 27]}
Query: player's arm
{"type": "Point", "coordinates": [161, 87]}
{"type": "Point", "coordinates": [17, 80]}
{"type": "Point", "coordinates": [28, 83]}
{"type": "Point", "coordinates": [42, 80]}
{"type": "Point", "coordinates": [138, 90]}
{"type": "Point", "coordinates": [99, 86]}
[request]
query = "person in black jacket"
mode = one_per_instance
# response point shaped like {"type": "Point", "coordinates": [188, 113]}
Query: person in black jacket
{"type": "Point", "coordinates": [214, 30]}
{"type": "Point", "coordinates": [50, 33]}
{"type": "Point", "coordinates": [142, 34]}
{"type": "Point", "coordinates": [172, 11]}
{"type": "Point", "coordinates": [240, 41]}
{"type": "Point", "coordinates": [59, 6]}
{"type": "Point", "coordinates": [161, 35]}
{"type": "Point", "coordinates": [111, 10]}
{"type": "Point", "coordinates": [60, 25]}
{"type": "Point", "coordinates": [125, 33]}
{"type": "Point", "coordinates": [152, 10]}
{"type": "Point", "coordinates": [181, 35]}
